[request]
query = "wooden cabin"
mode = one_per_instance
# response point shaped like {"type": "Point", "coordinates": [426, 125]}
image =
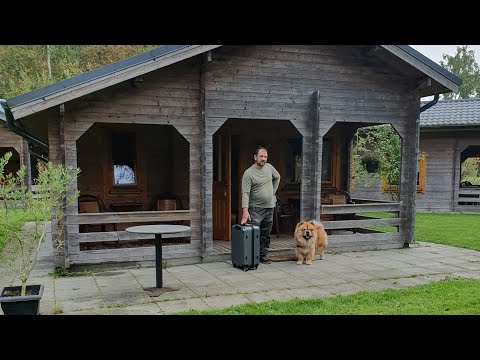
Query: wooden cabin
{"type": "Point", "coordinates": [449, 168]}
{"type": "Point", "coordinates": [165, 137]}
{"type": "Point", "coordinates": [14, 143]}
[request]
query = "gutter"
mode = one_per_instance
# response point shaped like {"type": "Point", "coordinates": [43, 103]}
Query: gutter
{"type": "Point", "coordinates": [430, 104]}
{"type": "Point", "coordinates": [19, 131]}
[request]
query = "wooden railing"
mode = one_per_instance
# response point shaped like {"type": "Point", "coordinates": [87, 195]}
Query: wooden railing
{"type": "Point", "coordinates": [468, 199]}
{"type": "Point", "coordinates": [357, 221]}
{"type": "Point", "coordinates": [348, 228]}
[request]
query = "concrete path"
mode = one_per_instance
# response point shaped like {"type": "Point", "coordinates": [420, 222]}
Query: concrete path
{"type": "Point", "coordinates": [219, 284]}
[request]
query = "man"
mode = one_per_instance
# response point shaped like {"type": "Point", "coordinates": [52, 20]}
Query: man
{"type": "Point", "coordinates": [259, 185]}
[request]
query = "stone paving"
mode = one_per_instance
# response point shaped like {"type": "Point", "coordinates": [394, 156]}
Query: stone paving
{"type": "Point", "coordinates": [219, 285]}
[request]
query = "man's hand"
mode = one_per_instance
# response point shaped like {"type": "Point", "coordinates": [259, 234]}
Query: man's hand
{"type": "Point", "coordinates": [245, 216]}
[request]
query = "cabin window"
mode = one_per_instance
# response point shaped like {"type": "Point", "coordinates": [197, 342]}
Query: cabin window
{"type": "Point", "coordinates": [293, 165]}
{"type": "Point", "coordinates": [124, 159]}
{"type": "Point", "coordinates": [327, 161]}
{"type": "Point", "coordinates": [13, 164]}
{"type": "Point", "coordinates": [421, 174]}
{"type": "Point", "coordinates": [470, 167]}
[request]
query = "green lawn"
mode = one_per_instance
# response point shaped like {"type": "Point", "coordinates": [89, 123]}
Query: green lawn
{"type": "Point", "coordinates": [452, 296]}
{"type": "Point", "coordinates": [461, 230]}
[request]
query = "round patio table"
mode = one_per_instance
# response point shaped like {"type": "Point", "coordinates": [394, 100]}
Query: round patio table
{"type": "Point", "coordinates": [158, 230]}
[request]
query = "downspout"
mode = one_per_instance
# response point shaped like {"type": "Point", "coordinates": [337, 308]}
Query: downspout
{"type": "Point", "coordinates": [430, 104]}
{"type": "Point", "coordinates": [11, 125]}
{"type": "Point", "coordinates": [422, 109]}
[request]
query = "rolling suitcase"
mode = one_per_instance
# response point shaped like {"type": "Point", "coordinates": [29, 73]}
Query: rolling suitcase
{"type": "Point", "coordinates": [245, 246]}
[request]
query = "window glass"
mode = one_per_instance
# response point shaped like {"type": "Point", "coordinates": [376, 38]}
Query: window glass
{"type": "Point", "coordinates": [327, 160]}
{"type": "Point", "coordinates": [124, 158]}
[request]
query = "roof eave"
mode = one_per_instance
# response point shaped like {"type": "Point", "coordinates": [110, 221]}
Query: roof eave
{"type": "Point", "coordinates": [449, 127]}
{"type": "Point", "coordinates": [449, 81]}
{"type": "Point", "coordinates": [99, 83]}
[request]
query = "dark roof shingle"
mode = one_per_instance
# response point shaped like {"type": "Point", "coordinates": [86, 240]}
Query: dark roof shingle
{"type": "Point", "coordinates": [463, 112]}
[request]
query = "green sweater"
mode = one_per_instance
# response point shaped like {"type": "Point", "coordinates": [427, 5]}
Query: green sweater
{"type": "Point", "coordinates": [259, 185]}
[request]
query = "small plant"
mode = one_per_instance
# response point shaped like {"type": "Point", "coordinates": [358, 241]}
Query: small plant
{"type": "Point", "coordinates": [25, 217]}
{"type": "Point", "coordinates": [60, 272]}
{"type": "Point", "coordinates": [57, 309]}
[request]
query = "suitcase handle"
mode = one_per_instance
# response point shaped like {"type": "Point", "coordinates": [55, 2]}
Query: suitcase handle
{"type": "Point", "coordinates": [237, 226]}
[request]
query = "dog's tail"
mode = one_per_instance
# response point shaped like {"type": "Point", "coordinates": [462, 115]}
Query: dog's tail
{"type": "Point", "coordinates": [317, 224]}
{"type": "Point", "coordinates": [322, 238]}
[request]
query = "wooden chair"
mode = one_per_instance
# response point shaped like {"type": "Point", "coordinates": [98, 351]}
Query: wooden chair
{"type": "Point", "coordinates": [166, 201]}
{"type": "Point", "coordinates": [88, 203]}
{"type": "Point", "coordinates": [338, 197]}
{"type": "Point", "coordinates": [283, 214]}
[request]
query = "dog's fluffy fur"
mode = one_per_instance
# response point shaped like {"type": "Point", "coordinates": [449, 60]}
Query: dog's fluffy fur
{"type": "Point", "coordinates": [310, 236]}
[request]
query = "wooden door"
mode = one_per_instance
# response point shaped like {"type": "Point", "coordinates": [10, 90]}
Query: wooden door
{"type": "Point", "coordinates": [222, 185]}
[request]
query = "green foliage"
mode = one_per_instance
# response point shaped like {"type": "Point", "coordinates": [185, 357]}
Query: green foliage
{"type": "Point", "coordinates": [24, 68]}
{"type": "Point", "coordinates": [24, 229]}
{"type": "Point", "coordinates": [470, 170]}
{"type": "Point", "coordinates": [463, 65]}
{"type": "Point", "coordinates": [381, 144]}
{"type": "Point", "coordinates": [448, 297]}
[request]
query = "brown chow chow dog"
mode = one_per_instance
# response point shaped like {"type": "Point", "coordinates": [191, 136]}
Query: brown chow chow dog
{"type": "Point", "coordinates": [310, 235]}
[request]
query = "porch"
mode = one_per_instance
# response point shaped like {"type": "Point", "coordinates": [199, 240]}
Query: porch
{"type": "Point", "coordinates": [358, 232]}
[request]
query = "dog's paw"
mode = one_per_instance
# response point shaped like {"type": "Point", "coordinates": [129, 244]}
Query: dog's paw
{"type": "Point", "coordinates": [308, 262]}
{"type": "Point", "coordinates": [299, 262]}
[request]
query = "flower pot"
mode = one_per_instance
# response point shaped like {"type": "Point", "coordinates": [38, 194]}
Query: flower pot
{"type": "Point", "coordinates": [371, 167]}
{"type": "Point", "coordinates": [14, 304]}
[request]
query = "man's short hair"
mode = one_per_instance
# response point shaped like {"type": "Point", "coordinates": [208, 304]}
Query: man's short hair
{"type": "Point", "coordinates": [261, 148]}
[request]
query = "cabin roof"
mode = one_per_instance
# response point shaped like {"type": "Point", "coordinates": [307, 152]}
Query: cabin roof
{"type": "Point", "coordinates": [445, 113]}
{"type": "Point", "coordinates": [91, 81]}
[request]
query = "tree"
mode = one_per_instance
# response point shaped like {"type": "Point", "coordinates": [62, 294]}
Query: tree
{"type": "Point", "coordinates": [463, 65]}
{"type": "Point", "coordinates": [380, 142]}
{"type": "Point", "coordinates": [24, 216]}
{"type": "Point", "coordinates": [24, 68]}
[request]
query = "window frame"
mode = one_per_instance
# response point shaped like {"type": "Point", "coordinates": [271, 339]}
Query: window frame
{"type": "Point", "coordinates": [333, 161]}
{"type": "Point", "coordinates": [421, 175]}
{"type": "Point", "coordinates": [125, 187]}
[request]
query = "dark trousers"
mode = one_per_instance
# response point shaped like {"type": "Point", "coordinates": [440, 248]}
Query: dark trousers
{"type": "Point", "coordinates": [263, 218]}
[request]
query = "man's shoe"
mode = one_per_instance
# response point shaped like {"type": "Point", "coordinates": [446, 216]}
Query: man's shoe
{"type": "Point", "coordinates": [265, 260]}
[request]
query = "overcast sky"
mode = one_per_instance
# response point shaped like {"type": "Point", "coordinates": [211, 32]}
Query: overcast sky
{"type": "Point", "coordinates": [435, 52]}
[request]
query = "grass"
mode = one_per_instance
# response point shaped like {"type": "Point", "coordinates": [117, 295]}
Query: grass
{"type": "Point", "coordinates": [63, 272]}
{"type": "Point", "coordinates": [455, 229]}
{"type": "Point", "coordinates": [381, 215]}
{"type": "Point", "coordinates": [461, 230]}
{"type": "Point", "coordinates": [449, 297]}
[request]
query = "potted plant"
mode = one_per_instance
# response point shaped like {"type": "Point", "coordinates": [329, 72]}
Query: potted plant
{"type": "Point", "coordinates": [24, 220]}
{"type": "Point", "coordinates": [371, 162]}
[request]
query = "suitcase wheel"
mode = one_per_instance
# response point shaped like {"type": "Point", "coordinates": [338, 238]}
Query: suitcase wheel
{"type": "Point", "coordinates": [245, 268]}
